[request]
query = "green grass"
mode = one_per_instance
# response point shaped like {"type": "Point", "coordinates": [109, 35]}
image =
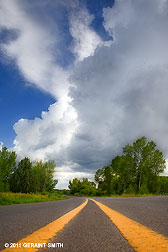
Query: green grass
{"type": "Point", "coordinates": [8, 198]}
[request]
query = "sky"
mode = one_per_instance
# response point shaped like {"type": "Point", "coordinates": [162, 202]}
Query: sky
{"type": "Point", "coordinates": [81, 79]}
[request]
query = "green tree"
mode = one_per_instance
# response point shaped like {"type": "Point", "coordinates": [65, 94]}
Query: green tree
{"type": "Point", "coordinates": [104, 178]}
{"type": "Point", "coordinates": [87, 188]}
{"type": "Point", "coordinates": [163, 183]}
{"type": "Point", "coordinates": [38, 176]}
{"type": "Point", "coordinates": [148, 162]}
{"type": "Point", "coordinates": [22, 178]}
{"type": "Point", "coordinates": [28, 178]}
{"type": "Point", "coordinates": [43, 180]}
{"type": "Point", "coordinates": [7, 165]}
{"type": "Point", "coordinates": [50, 183]}
{"type": "Point", "coordinates": [123, 168]}
{"type": "Point", "coordinates": [74, 186]}
{"type": "Point", "coordinates": [136, 171]}
{"type": "Point", "coordinates": [82, 187]}
{"type": "Point", "coordinates": [99, 178]}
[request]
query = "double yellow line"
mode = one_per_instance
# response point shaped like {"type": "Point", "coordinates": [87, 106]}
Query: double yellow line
{"type": "Point", "coordinates": [141, 238]}
{"type": "Point", "coordinates": [44, 234]}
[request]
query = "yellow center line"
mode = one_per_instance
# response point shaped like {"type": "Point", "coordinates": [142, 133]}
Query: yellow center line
{"type": "Point", "coordinates": [47, 232]}
{"type": "Point", "coordinates": [141, 238]}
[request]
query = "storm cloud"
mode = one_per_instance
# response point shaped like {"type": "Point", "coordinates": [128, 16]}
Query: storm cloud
{"type": "Point", "coordinates": [110, 94]}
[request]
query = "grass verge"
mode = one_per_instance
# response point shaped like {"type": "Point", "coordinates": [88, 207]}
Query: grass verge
{"type": "Point", "coordinates": [8, 198]}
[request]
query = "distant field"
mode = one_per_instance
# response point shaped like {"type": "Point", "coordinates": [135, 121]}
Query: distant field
{"type": "Point", "coordinates": [8, 198]}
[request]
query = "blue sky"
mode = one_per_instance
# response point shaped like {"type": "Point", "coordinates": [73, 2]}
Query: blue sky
{"type": "Point", "coordinates": [81, 79]}
{"type": "Point", "coordinates": [18, 99]}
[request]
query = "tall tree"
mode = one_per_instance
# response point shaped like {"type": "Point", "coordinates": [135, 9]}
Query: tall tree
{"type": "Point", "coordinates": [147, 160]}
{"type": "Point", "coordinates": [99, 178]}
{"type": "Point", "coordinates": [50, 182]}
{"type": "Point", "coordinates": [123, 168]}
{"type": "Point", "coordinates": [43, 179]}
{"type": "Point", "coordinates": [104, 179]}
{"type": "Point", "coordinates": [7, 165]}
{"type": "Point", "coordinates": [137, 170]}
{"type": "Point", "coordinates": [21, 179]}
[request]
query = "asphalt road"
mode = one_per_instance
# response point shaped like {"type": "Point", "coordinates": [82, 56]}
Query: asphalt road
{"type": "Point", "coordinates": [91, 230]}
{"type": "Point", "coordinates": [18, 221]}
{"type": "Point", "coordinates": [149, 211]}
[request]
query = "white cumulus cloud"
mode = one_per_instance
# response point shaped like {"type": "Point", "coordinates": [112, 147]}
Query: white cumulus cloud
{"type": "Point", "coordinates": [35, 49]}
{"type": "Point", "coordinates": [111, 95]}
{"type": "Point", "coordinates": [86, 40]}
{"type": "Point", "coordinates": [121, 92]}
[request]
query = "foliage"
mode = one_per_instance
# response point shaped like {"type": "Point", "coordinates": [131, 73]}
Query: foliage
{"type": "Point", "coordinates": [25, 177]}
{"type": "Point", "coordinates": [104, 178]}
{"type": "Point", "coordinates": [7, 165]}
{"type": "Point", "coordinates": [136, 171]}
{"type": "Point", "coordinates": [18, 198]}
{"type": "Point", "coordinates": [148, 162]}
{"type": "Point", "coordinates": [43, 177]}
{"type": "Point", "coordinates": [82, 187]}
{"type": "Point", "coordinates": [28, 178]}
{"type": "Point", "coordinates": [163, 184]}
{"type": "Point", "coordinates": [22, 179]}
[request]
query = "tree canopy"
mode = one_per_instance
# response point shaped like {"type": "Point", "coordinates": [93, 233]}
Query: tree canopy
{"type": "Point", "coordinates": [25, 176]}
{"type": "Point", "coordinates": [82, 187]}
{"type": "Point", "coordinates": [7, 165]}
{"type": "Point", "coordinates": [136, 171]}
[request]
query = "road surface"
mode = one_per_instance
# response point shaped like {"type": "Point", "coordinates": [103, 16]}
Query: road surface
{"type": "Point", "coordinates": [89, 229]}
{"type": "Point", "coordinates": [18, 221]}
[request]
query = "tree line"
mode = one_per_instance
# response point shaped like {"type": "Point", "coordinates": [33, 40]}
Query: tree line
{"type": "Point", "coordinates": [136, 171]}
{"type": "Point", "coordinates": [25, 176]}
